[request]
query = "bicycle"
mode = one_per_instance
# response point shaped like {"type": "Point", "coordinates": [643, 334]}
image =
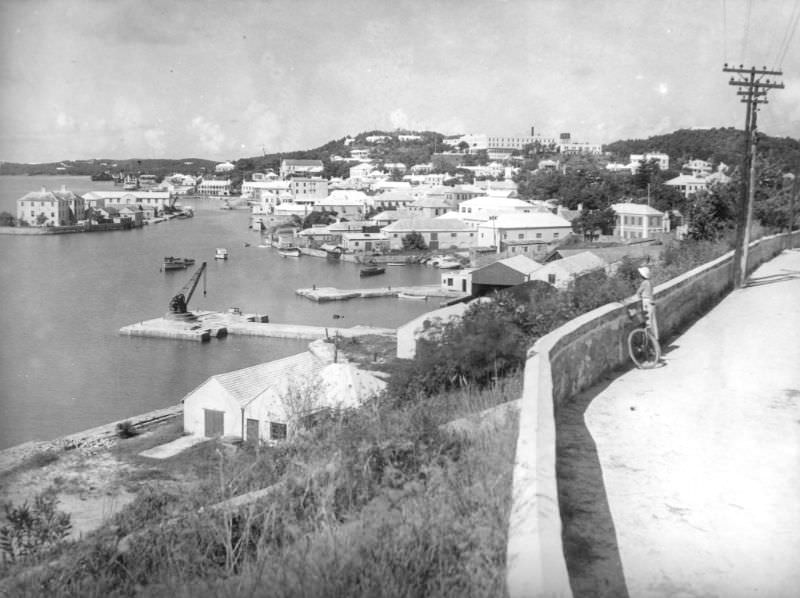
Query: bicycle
{"type": "Point", "coordinates": [643, 346]}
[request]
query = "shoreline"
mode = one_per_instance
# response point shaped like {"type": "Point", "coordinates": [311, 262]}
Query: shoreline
{"type": "Point", "coordinates": [16, 455]}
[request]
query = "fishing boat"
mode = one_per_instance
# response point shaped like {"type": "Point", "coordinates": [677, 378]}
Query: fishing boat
{"type": "Point", "coordinates": [221, 254]}
{"type": "Point", "coordinates": [371, 270]}
{"type": "Point", "coordinates": [289, 251]}
{"type": "Point", "coordinates": [176, 263]}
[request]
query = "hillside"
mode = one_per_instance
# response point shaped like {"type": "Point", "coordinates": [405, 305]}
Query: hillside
{"type": "Point", "coordinates": [158, 167]}
{"type": "Point", "coordinates": [715, 145]}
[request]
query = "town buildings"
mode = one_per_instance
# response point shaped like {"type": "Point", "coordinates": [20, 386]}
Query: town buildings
{"type": "Point", "coordinates": [638, 221]}
{"type": "Point", "coordinates": [50, 208]}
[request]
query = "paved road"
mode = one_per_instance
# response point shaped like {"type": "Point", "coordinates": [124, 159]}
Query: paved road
{"type": "Point", "coordinates": [699, 460]}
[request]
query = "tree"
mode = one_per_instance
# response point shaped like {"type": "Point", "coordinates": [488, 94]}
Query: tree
{"type": "Point", "coordinates": [712, 213]}
{"type": "Point", "coordinates": [41, 219]}
{"type": "Point", "coordinates": [414, 240]}
{"type": "Point", "coordinates": [7, 219]}
{"type": "Point", "coordinates": [593, 223]}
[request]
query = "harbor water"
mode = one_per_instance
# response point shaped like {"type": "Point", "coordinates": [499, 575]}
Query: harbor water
{"type": "Point", "coordinates": [63, 298]}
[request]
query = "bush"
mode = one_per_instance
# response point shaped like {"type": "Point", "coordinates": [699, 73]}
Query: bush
{"type": "Point", "coordinates": [33, 528]}
{"type": "Point", "coordinates": [126, 429]}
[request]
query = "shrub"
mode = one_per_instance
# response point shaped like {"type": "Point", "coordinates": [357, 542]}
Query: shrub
{"type": "Point", "coordinates": [33, 527]}
{"type": "Point", "coordinates": [126, 429]}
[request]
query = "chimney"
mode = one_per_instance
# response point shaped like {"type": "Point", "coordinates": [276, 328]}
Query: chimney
{"type": "Point", "coordinates": [532, 133]}
{"type": "Point", "coordinates": [44, 189]}
{"type": "Point", "coordinates": [63, 188]}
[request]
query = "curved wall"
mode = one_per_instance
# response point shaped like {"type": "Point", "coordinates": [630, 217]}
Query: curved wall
{"type": "Point", "coordinates": [561, 364]}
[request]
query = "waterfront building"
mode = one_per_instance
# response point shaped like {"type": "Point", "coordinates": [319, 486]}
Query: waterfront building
{"type": "Point", "coordinates": [214, 188]}
{"type": "Point", "coordinates": [154, 200]}
{"type": "Point", "coordinates": [638, 221]}
{"type": "Point", "coordinates": [501, 274]}
{"type": "Point", "coordinates": [304, 168]}
{"type": "Point", "coordinates": [50, 208]}
{"type": "Point", "coordinates": [361, 242]}
{"type": "Point", "coordinates": [345, 203]}
{"type": "Point", "coordinates": [267, 193]}
{"type": "Point", "coordinates": [438, 233]}
{"type": "Point", "coordinates": [530, 233]}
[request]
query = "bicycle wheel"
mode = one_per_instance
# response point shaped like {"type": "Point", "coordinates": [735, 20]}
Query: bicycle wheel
{"type": "Point", "coordinates": [643, 348]}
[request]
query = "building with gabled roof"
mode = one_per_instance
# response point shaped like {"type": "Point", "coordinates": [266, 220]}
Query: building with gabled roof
{"type": "Point", "coordinates": [50, 208]}
{"type": "Point", "coordinates": [560, 273]}
{"type": "Point", "coordinates": [307, 168]}
{"type": "Point", "coordinates": [638, 221]}
{"type": "Point", "coordinates": [502, 274]}
{"type": "Point", "coordinates": [438, 233]}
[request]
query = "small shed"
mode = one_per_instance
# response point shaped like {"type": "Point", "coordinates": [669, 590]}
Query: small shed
{"type": "Point", "coordinates": [503, 274]}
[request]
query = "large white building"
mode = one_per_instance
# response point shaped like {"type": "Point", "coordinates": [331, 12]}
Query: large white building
{"type": "Point", "coordinates": [526, 233]}
{"type": "Point", "coordinates": [638, 221]}
{"type": "Point", "coordinates": [438, 233]}
{"type": "Point", "coordinates": [50, 208]}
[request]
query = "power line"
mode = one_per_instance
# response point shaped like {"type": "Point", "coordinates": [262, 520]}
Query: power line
{"type": "Point", "coordinates": [791, 27]}
{"type": "Point", "coordinates": [724, 32]}
{"type": "Point", "coordinates": [746, 34]}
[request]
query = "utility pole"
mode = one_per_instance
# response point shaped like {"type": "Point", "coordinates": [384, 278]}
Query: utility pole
{"type": "Point", "coordinates": [754, 92]}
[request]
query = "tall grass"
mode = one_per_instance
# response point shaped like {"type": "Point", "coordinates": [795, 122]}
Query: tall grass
{"type": "Point", "coordinates": [376, 502]}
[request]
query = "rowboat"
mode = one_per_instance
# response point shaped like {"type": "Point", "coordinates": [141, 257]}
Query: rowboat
{"type": "Point", "coordinates": [289, 251]}
{"type": "Point", "coordinates": [413, 297]}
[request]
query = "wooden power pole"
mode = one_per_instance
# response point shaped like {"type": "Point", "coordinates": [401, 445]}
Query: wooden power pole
{"type": "Point", "coordinates": [753, 92]}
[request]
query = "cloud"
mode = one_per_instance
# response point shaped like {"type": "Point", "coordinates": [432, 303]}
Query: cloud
{"type": "Point", "coordinates": [263, 127]}
{"type": "Point", "coordinates": [399, 119]}
{"type": "Point", "coordinates": [155, 140]}
{"type": "Point", "coordinates": [65, 122]}
{"type": "Point", "coordinates": [210, 133]}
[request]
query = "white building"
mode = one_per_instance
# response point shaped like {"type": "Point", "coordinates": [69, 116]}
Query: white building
{"type": "Point", "coordinates": [560, 273]}
{"type": "Point", "coordinates": [305, 168]}
{"type": "Point", "coordinates": [214, 188]}
{"type": "Point", "coordinates": [638, 221]}
{"type": "Point", "coordinates": [50, 208]}
{"type": "Point", "coordinates": [523, 233]}
{"type": "Point", "coordinates": [224, 167]}
{"type": "Point", "coordinates": [637, 159]}
{"type": "Point", "coordinates": [688, 184]}
{"type": "Point", "coordinates": [438, 233]}
{"type": "Point", "coordinates": [480, 209]}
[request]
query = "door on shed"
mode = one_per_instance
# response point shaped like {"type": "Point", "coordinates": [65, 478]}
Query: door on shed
{"type": "Point", "coordinates": [215, 422]}
{"type": "Point", "coordinates": [252, 430]}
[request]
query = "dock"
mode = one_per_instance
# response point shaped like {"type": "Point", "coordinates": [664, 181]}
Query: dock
{"type": "Point", "coordinates": [206, 325]}
{"type": "Point", "coordinates": [322, 294]}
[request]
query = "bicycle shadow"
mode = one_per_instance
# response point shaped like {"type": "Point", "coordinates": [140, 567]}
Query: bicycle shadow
{"type": "Point", "coordinates": [772, 278]}
{"type": "Point", "coordinates": [588, 533]}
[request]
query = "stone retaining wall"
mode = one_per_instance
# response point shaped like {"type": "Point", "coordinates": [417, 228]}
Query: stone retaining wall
{"type": "Point", "coordinates": [561, 364]}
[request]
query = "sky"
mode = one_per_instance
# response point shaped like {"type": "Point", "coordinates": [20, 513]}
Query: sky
{"type": "Point", "coordinates": [82, 79]}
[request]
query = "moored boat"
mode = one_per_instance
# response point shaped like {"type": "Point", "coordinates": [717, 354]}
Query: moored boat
{"type": "Point", "coordinates": [221, 254]}
{"type": "Point", "coordinates": [449, 264]}
{"type": "Point", "coordinates": [371, 270]}
{"type": "Point", "coordinates": [176, 263]}
{"type": "Point", "coordinates": [289, 251]}
{"type": "Point", "coordinates": [414, 297]}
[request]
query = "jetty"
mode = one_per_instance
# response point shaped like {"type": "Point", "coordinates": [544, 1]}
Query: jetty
{"type": "Point", "coordinates": [205, 325]}
{"type": "Point", "coordinates": [321, 294]}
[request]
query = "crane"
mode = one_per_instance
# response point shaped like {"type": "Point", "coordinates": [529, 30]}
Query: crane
{"type": "Point", "coordinates": [180, 302]}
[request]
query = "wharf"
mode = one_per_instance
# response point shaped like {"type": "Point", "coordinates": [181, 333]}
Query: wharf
{"type": "Point", "coordinates": [321, 294]}
{"type": "Point", "coordinates": [208, 324]}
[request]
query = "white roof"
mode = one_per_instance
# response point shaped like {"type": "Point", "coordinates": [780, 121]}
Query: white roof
{"type": "Point", "coordinates": [343, 385]}
{"type": "Point", "coordinates": [521, 263]}
{"type": "Point", "coordinates": [248, 384]}
{"type": "Point", "coordinates": [494, 203]}
{"type": "Point", "coordinates": [638, 209]}
{"type": "Point", "coordinates": [426, 224]}
{"type": "Point", "coordinates": [686, 179]}
{"type": "Point", "coordinates": [529, 220]}
{"type": "Point", "coordinates": [575, 264]}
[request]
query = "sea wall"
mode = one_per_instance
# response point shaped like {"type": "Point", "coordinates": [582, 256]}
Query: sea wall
{"type": "Point", "coordinates": [561, 364]}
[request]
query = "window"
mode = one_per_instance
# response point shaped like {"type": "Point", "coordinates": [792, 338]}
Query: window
{"type": "Point", "coordinates": [449, 282]}
{"type": "Point", "coordinates": [454, 235]}
{"type": "Point", "coordinates": [555, 235]}
{"type": "Point", "coordinates": [538, 235]}
{"type": "Point", "coordinates": [521, 236]}
{"type": "Point", "coordinates": [277, 431]}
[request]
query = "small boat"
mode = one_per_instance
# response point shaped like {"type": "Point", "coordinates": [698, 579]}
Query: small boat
{"type": "Point", "coordinates": [448, 264]}
{"type": "Point", "coordinates": [396, 263]}
{"type": "Point", "coordinates": [176, 263]}
{"type": "Point", "coordinates": [289, 251]}
{"type": "Point", "coordinates": [414, 297]}
{"type": "Point", "coordinates": [221, 254]}
{"type": "Point", "coordinates": [371, 270]}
